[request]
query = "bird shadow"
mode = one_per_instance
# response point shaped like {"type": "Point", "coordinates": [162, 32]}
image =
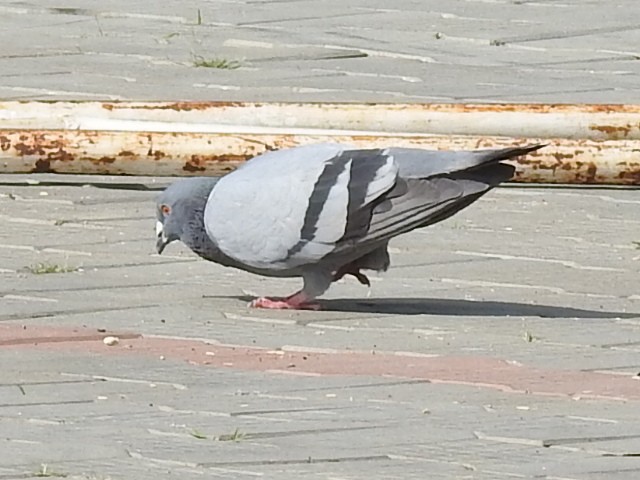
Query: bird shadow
{"type": "Point", "coordinates": [459, 307]}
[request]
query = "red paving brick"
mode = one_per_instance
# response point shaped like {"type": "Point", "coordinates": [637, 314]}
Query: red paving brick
{"type": "Point", "coordinates": [484, 372]}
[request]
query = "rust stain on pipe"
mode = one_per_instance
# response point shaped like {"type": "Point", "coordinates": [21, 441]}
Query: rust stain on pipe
{"type": "Point", "coordinates": [200, 164]}
{"type": "Point", "coordinates": [614, 132]}
{"type": "Point", "coordinates": [431, 107]}
{"type": "Point", "coordinates": [629, 173]}
{"type": "Point", "coordinates": [169, 154]}
{"type": "Point", "coordinates": [177, 106]}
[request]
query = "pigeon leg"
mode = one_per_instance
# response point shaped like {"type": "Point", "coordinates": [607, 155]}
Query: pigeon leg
{"type": "Point", "coordinates": [297, 301]}
{"type": "Point", "coordinates": [316, 283]}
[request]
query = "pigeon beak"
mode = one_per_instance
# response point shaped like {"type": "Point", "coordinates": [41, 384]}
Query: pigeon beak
{"type": "Point", "coordinates": [162, 240]}
{"type": "Point", "coordinates": [160, 244]}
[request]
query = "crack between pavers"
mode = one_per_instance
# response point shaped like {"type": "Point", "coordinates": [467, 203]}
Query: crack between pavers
{"type": "Point", "coordinates": [40, 404]}
{"type": "Point", "coordinates": [52, 382]}
{"type": "Point", "coordinates": [285, 411]}
{"type": "Point", "coordinates": [564, 35]}
{"type": "Point", "coordinates": [80, 311]}
{"type": "Point", "coordinates": [298, 19]}
{"type": "Point", "coordinates": [358, 385]}
{"type": "Point", "coordinates": [363, 458]}
{"type": "Point", "coordinates": [70, 338]}
{"type": "Point", "coordinates": [80, 184]}
{"type": "Point", "coordinates": [310, 431]}
{"type": "Point", "coordinates": [90, 288]}
{"type": "Point", "coordinates": [551, 442]}
{"type": "Point", "coordinates": [494, 97]}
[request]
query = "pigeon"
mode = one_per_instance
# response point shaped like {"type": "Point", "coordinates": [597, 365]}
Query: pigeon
{"type": "Point", "coordinates": [323, 211]}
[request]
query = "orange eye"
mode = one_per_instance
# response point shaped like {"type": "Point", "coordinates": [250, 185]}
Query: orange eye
{"type": "Point", "coordinates": [165, 209]}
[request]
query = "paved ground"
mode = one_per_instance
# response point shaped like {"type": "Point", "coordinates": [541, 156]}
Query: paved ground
{"type": "Point", "coordinates": [354, 50]}
{"type": "Point", "coordinates": [504, 343]}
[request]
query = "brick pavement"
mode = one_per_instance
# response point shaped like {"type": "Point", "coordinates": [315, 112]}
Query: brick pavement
{"type": "Point", "coordinates": [356, 50]}
{"type": "Point", "coordinates": [504, 343]}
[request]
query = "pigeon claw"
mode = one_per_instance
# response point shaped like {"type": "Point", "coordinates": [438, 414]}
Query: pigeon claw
{"type": "Point", "coordinates": [283, 304]}
{"type": "Point", "coordinates": [355, 272]}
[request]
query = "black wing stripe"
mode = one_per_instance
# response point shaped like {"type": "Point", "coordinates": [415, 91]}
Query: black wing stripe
{"type": "Point", "coordinates": [364, 168]}
{"type": "Point", "coordinates": [318, 198]}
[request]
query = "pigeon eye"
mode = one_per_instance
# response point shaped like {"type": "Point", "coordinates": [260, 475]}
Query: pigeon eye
{"type": "Point", "coordinates": [165, 209]}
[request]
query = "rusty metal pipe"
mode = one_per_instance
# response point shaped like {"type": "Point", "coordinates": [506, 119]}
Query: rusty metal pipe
{"type": "Point", "coordinates": [583, 161]}
{"type": "Point", "coordinates": [593, 122]}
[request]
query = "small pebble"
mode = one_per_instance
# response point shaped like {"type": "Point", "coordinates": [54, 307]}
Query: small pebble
{"type": "Point", "coordinates": [111, 341]}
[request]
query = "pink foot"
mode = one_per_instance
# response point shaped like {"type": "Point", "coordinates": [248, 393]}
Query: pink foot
{"type": "Point", "coordinates": [283, 304]}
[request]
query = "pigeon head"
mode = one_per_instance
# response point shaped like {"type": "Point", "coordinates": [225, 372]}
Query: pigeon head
{"type": "Point", "coordinates": [179, 207]}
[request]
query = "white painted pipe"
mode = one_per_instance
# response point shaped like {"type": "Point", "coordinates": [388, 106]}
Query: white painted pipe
{"type": "Point", "coordinates": [568, 161]}
{"type": "Point", "coordinates": [593, 122]}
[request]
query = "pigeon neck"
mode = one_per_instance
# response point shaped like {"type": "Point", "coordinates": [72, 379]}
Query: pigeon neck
{"type": "Point", "coordinates": [197, 239]}
{"type": "Point", "coordinates": [194, 234]}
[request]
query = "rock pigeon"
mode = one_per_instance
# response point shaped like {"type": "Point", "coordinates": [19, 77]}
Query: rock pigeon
{"type": "Point", "coordinates": [323, 211]}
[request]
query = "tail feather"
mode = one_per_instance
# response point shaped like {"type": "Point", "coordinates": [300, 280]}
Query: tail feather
{"type": "Point", "coordinates": [417, 163]}
{"type": "Point", "coordinates": [510, 152]}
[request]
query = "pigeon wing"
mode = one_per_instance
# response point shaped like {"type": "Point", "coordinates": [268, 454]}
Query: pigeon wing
{"type": "Point", "coordinates": [432, 186]}
{"type": "Point", "coordinates": [293, 207]}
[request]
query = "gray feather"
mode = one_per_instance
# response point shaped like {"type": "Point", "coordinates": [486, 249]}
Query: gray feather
{"type": "Point", "coordinates": [419, 163]}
